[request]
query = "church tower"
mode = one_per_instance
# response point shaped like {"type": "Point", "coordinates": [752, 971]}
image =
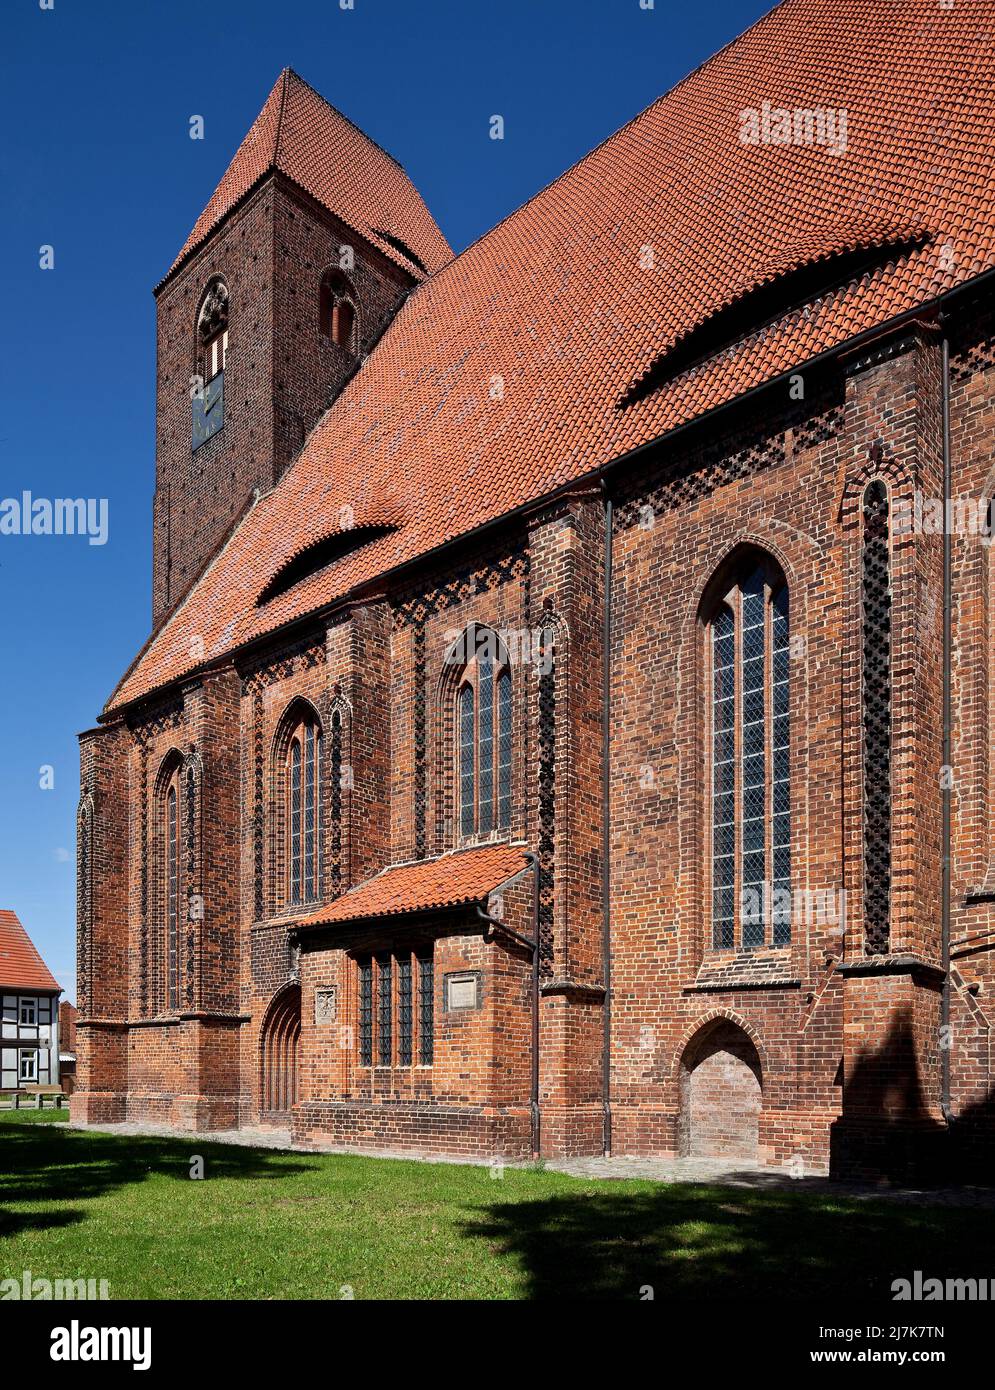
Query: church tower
{"type": "Point", "coordinates": [308, 246]}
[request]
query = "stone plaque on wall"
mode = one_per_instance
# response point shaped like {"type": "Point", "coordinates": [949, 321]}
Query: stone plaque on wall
{"type": "Point", "coordinates": [462, 991]}
{"type": "Point", "coordinates": [324, 1005]}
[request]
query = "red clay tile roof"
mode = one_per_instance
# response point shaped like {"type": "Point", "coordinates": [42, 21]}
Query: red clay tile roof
{"type": "Point", "coordinates": [559, 301]}
{"type": "Point", "coordinates": [21, 967]}
{"type": "Point", "coordinates": [300, 134]}
{"type": "Point", "coordinates": [461, 877]}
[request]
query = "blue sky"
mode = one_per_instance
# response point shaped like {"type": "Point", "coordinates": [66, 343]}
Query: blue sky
{"type": "Point", "coordinates": [96, 162]}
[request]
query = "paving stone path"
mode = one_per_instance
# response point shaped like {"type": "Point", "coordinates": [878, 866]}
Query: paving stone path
{"type": "Point", "coordinates": [723, 1172]}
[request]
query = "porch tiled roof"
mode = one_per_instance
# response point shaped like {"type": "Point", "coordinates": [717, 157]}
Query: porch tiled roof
{"type": "Point", "coordinates": [460, 878]}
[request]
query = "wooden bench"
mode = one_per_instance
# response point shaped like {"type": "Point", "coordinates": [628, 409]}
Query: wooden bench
{"type": "Point", "coordinates": [36, 1100]}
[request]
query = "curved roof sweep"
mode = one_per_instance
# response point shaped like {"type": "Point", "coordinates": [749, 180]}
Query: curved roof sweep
{"type": "Point", "coordinates": [576, 296]}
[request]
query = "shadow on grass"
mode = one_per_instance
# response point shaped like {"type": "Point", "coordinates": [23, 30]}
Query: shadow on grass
{"type": "Point", "coordinates": [694, 1241]}
{"type": "Point", "coordinates": [52, 1163]}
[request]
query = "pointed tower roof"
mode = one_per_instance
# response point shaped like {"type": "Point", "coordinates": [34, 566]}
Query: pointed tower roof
{"type": "Point", "coordinates": [306, 139]}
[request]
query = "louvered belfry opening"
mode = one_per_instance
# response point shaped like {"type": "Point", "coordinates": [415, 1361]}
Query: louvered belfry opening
{"type": "Point", "coordinates": [280, 1042]}
{"type": "Point", "coordinates": [876, 692]}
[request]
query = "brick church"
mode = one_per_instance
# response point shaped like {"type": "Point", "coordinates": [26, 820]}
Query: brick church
{"type": "Point", "coordinates": [566, 725]}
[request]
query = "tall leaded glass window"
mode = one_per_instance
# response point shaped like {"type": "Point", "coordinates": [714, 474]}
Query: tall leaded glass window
{"type": "Point", "coordinates": [723, 780]}
{"type": "Point", "coordinates": [485, 684]}
{"type": "Point", "coordinates": [467, 812]}
{"type": "Point", "coordinates": [336, 790]}
{"type": "Point", "coordinates": [780, 773]}
{"type": "Point", "coordinates": [504, 748]}
{"type": "Point", "coordinates": [295, 820]}
{"type": "Point", "coordinates": [750, 763]}
{"type": "Point", "coordinates": [385, 1041]}
{"type": "Point", "coordinates": [426, 1008]}
{"type": "Point", "coordinates": [304, 813]}
{"type": "Point", "coordinates": [404, 1015]}
{"type": "Point", "coordinates": [366, 1013]}
{"type": "Point", "coordinates": [876, 694]}
{"type": "Point", "coordinates": [484, 740]}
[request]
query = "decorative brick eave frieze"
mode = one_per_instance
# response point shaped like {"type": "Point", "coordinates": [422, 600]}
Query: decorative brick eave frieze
{"type": "Point", "coordinates": [164, 1021]}
{"type": "Point", "coordinates": [211, 1016]}
{"type": "Point", "coordinates": [566, 501]}
{"type": "Point", "coordinates": [575, 989]}
{"type": "Point", "coordinates": [892, 341]}
{"type": "Point", "coordinates": [734, 986]}
{"type": "Point", "coordinates": [904, 964]}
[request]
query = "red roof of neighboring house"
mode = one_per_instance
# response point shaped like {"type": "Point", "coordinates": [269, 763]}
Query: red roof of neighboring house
{"type": "Point", "coordinates": [571, 300]}
{"type": "Point", "coordinates": [456, 879]}
{"type": "Point", "coordinates": [21, 967]}
{"type": "Point", "coordinates": [299, 133]}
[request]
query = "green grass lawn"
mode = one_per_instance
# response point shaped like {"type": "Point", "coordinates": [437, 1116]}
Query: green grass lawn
{"type": "Point", "coordinates": [270, 1225]}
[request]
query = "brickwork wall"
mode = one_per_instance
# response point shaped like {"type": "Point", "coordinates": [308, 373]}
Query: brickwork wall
{"type": "Point", "coordinates": [805, 1054]}
{"type": "Point", "coordinates": [281, 370]}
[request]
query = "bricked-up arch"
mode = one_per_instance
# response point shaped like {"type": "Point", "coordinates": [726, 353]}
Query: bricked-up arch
{"type": "Point", "coordinates": [279, 1043]}
{"type": "Point", "coordinates": [721, 1093]}
{"type": "Point", "coordinates": [339, 786]}
{"type": "Point", "coordinates": [168, 909]}
{"type": "Point", "coordinates": [84, 900]}
{"type": "Point", "coordinates": [192, 780]}
{"type": "Point", "coordinates": [876, 624]}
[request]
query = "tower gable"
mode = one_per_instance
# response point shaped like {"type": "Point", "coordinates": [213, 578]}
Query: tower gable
{"type": "Point", "coordinates": [270, 307]}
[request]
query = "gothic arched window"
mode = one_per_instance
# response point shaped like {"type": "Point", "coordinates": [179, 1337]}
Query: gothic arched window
{"type": "Point", "coordinates": [303, 811]}
{"type": "Point", "coordinates": [750, 790]}
{"type": "Point", "coordinates": [484, 739]}
{"type": "Point", "coordinates": [172, 848]}
{"type": "Point", "coordinates": [212, 331]}
{"type": "Point", "coordinates": [337, 309]}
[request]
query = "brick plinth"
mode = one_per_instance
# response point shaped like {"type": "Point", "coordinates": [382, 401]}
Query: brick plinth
{"type": "Point", "coordinates": [474, 1132]}
{"type": "Point", "coordinates": [98, 1107]}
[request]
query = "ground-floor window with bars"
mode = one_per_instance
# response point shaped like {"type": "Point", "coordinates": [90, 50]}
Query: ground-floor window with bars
{"type": "Point", "coordinates": [396, 1008]}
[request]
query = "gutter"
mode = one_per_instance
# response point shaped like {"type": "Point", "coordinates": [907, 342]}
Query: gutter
{"type": "Point", "coordinates": [606, 946]}
{"type": "Point", "coordinates": [531, 944]}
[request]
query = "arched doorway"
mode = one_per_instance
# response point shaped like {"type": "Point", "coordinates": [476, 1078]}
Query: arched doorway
{"type": "Point", "coordinates": [279, 1042]}
{"type": "Point", "coordinates": [721, 1094]}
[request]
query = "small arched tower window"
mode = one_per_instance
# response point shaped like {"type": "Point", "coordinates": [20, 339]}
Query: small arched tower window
{"type": "Point", "coordinates": [337, 310]}
{"type": "Point", "coordinates": [750, 791]}
{"type": "Point", "coordinates": [483, 737]}
{"type": "Point", "coordinates": [212, 331]}
{"type": "Point", "coordinates": [303, 811]}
